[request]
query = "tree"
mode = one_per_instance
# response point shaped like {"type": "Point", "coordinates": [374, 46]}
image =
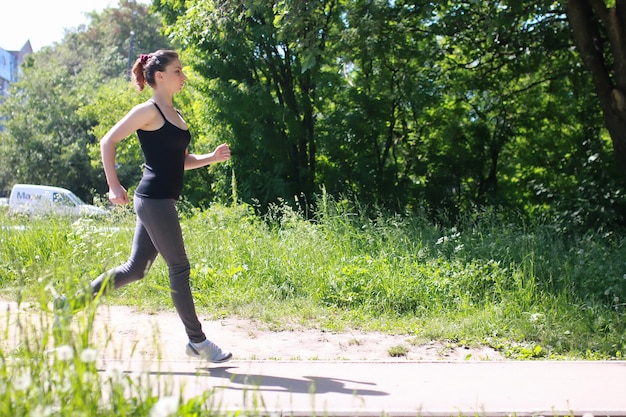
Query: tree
{"type": "Point", "coordinates": [515, 125]}
{"type": "Point", "coordinates": [599, 32]}
{"type": "Point", "coordinates": [397, 103]}
{"type": "Point", "coordinates": [47, 136]}
{"type": "Point", "coordinates": [45, 139]}
{"type": "Point", "coordinates": [262, 63]}
{"type": "Point", "coordinates": [373, 128]}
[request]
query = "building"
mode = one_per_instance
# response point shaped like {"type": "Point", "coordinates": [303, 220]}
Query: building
{"type": "Point", "coordinates": [10, 62]}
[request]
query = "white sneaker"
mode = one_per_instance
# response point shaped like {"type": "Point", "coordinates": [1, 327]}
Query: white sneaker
{"type": "Point", "coordinates": [209, 351]}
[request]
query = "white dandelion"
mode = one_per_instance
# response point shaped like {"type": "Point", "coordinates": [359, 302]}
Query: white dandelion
{"type": "Point", "coordinates": [65, 353]}
{"type": "Point", "coordinates": [88, 355]}
{"type": "Point", "coordinates": [22, 381]}
{"type": "Point", "coordinates": [165, 407]}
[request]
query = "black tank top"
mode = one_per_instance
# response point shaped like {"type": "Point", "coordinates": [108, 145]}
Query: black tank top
{"type": "Point", "coordinates": [164, 160]}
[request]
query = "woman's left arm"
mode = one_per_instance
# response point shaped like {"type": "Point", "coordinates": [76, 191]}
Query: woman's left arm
{"type": "Point", "coordinates": [220, 154]}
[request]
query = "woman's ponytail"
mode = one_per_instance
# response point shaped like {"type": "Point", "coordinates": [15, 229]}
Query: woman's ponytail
{"type": "Point", "coordinates": [139, 77]}
{"type": "Point", "coordinates": [147, 65]}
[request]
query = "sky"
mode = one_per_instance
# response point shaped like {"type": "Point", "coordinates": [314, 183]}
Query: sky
{"type": "Point", "coordinates": [44, 22]}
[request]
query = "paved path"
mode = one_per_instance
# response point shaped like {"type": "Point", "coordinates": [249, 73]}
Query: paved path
{"type": "Point", "coordinates": [307, 388]}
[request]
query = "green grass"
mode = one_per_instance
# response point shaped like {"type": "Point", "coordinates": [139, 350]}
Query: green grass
{"type": "Point", "coordinates": [489, 280]}
{"type": "Point", "coordinates": [532, 291]}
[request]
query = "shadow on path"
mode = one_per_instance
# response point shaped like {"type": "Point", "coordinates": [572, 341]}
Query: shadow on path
{"type": "Point", "coordinates": [269, 383]}
{"type": "Point", "coordinates": [308, 384]}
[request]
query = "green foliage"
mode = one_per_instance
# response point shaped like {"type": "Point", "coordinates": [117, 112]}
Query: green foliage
{"type": "Point", "coordinates": [441, 107]}
{"type": "Point", "coordinates": [48, 130]}
{"type": "Point", "coordinates": [398, 351]}
{"type": "Point", "coordinates": [530, 290]}
{"type": "Point", "coordinates": [45, 138]}
{"type": "Point", "coordinates": [213, 183]}
{"type": "Point", "coordinates": [262, 66]}
{"type": "Point", "coordinates": [404, 105]}
{"type": "Point", "coordinates": [371, 134]}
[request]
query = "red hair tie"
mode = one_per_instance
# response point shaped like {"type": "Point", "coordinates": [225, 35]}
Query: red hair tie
{"type": "Point", "coordinates": [143, 58]}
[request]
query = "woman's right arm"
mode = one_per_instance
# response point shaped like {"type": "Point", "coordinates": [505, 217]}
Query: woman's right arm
{"type": "Point", "coordinates": [136, 119]}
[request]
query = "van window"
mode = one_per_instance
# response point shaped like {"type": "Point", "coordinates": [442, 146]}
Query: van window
{"type": "Point", "coordinates": [62, 199]}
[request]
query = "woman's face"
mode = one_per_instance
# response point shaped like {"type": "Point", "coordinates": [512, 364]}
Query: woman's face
{"type": "Point", "coordinates": [173, 77]}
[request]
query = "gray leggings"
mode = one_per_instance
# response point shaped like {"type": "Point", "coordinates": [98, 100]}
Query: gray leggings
{"type": "Point", "coordinates": [158, 232]}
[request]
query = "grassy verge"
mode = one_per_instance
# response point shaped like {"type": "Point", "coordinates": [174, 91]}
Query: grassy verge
{"type": "Point", "coordinates": [531, 291]}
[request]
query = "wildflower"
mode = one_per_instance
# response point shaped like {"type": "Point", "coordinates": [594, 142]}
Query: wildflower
{"type": "Point", "coordinates": [23, 381]}
{"type": "Point", "coordinates": [65, 353]}
{"type": "Point", "coordinates": [88, 355]}
{"type": "Point", "coordinates": [165, 407]}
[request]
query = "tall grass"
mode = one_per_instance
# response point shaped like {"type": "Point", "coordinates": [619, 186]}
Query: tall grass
{"type": "Point", "coordinates": [530, 290]}
{"type": "Point", "coordinates": [49, 368]}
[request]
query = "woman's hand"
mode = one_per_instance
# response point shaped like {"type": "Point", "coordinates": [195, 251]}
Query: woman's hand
{"type": "Point", "coordinates": [118, 195]}
{"type": "Point", "coordinates": [221, 153]}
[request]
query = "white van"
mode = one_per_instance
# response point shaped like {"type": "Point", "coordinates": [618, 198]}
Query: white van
{"type": "Point", "coordinates": [43, 199]}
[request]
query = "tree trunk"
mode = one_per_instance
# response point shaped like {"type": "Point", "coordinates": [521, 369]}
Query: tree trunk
{"type": "Point", "coordinates": [592, 25]}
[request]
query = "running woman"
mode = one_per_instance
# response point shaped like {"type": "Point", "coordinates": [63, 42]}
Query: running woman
{"type": "Point", "coordinates": [164, 137]}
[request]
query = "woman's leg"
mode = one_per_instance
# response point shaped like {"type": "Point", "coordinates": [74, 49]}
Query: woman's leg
{"type": "Point", "coordinates": [160, 219]}
{"type": "Point", "coordinates": [141, 258]}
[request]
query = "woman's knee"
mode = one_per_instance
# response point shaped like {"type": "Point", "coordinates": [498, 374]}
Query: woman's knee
{"type": "Point", "coordinates": [179, 272]}
{"type": "Point", "coordinates": [138, 270]}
